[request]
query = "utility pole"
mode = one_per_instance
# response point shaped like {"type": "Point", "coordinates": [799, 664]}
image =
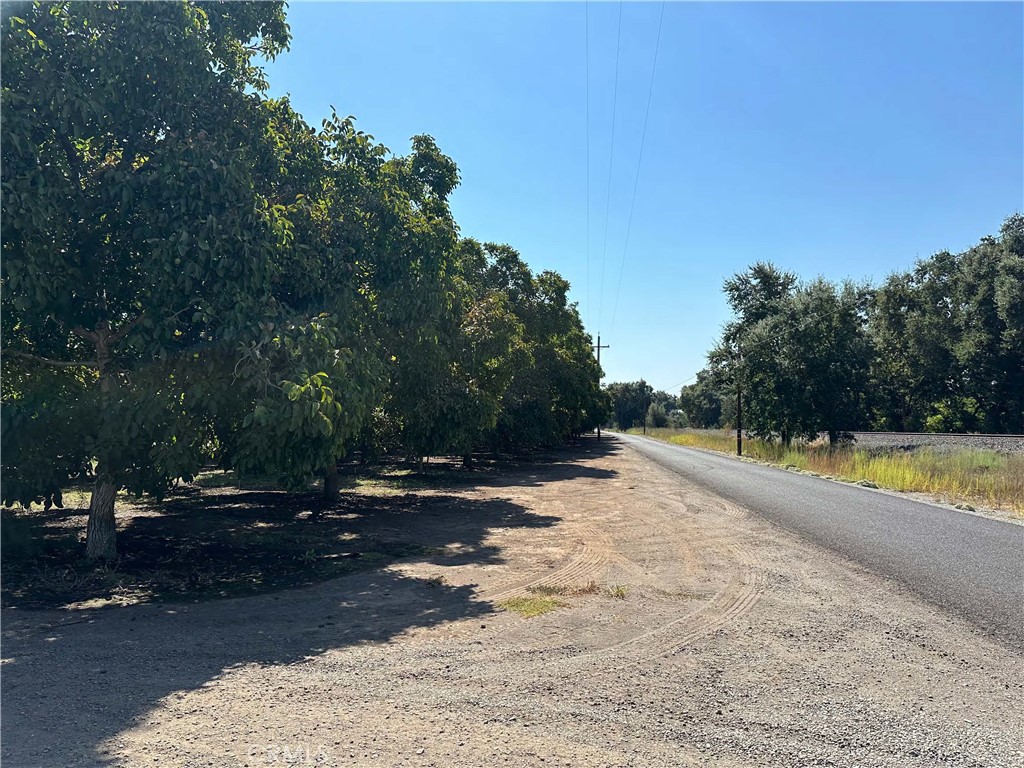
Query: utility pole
{"type": "Point", "coordinates": [739, 418]}
{"type": "Point", "coordinates": [598, 347]}
{"type": "Point", "coordinates": [647, 404]}
{"type": "Point", "coordinates": [739, 402]}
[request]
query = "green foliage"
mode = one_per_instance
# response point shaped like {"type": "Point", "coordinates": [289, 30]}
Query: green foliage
{"type": "Point", "coordinates": [192, 272]}
{"type": "Point", "coordinates": [678, 420]}
{"type": "Point", "coordinates": [557, 397]}
{"type": "Point", "coordinates": [804, 367]}
{"type": "Point", "coordinates": [707, 402]}
{"type": "Point", "coordinates": [40, 427]}
{"type": "Point", "coordinates": [656, 416]}
{"type": "Point", "coordinates": [949, 340]}
{"type": "Point", "coordinates": [939, 348]}
{"type": "Point", "coordinates": [630, 402]}
{"type": "Point", "coordinates": [133, 232]}
{"type": "Point", "coordinates": [310, 396]}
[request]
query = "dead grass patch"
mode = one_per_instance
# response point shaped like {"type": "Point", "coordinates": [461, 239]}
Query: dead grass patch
{"type": "Point", "coordinates": [528, 607]}
{"type": "Point", "coordinates": [566, 590]}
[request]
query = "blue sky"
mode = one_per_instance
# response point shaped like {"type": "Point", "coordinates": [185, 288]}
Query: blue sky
{"type": "Point", "coordinates": [843, 140]}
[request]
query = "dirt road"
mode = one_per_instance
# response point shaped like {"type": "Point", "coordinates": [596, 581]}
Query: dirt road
{"type": "Point", "coordinates": [736, 644]}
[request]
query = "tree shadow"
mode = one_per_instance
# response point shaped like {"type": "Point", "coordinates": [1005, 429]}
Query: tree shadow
{"type": "Point", "coordinates": [89, 674]}
{"type": "Point", "coordinates": [228, 543]}
{"type": "Point", "coordinates": [491, 470]}
{"type": "Point", "coordinates": [73, 683]}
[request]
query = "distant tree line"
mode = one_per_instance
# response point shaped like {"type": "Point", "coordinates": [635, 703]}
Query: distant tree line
{"type": "Point", "coordinates": [939, 348]}
{"type": "Point", "coordinates": [193, 274]}
{"type": "Point", "coordinates": [636, 403]}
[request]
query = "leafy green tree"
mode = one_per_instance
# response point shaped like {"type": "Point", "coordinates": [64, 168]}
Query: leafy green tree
{"type": "Point", "coordinates": [831, 356]}
{"type": "Point", "coordinates": [630, 402]}
{"type": "Point", "coordinates": [558, 397]}
{"type": "Point", "coordinates": [665, 400]}
{"type": "Point", "coordinates": [678, 419]}
{"type": "Point", "coordinates": [656, 416]}
{"type": "Point", "coordinates": [310, 381]}
{"type": "Point", "coordinates": [702, 402]}
{"type": "Point", "coordinates": [755, 295]}
{"type": "Point", "coordinates": [413, 292]}
{"type": "Point", "coordinates": [948, 340]}
{"type": "Point", "coordinates": [134, 236]}
{"type": "Point", "coordinates": [489, 349]}
{"type": "Point", "coordinates": [799, 354]}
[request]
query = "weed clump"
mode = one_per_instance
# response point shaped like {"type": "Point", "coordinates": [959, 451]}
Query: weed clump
{"type": "Point", "coordinates": [528, 607]}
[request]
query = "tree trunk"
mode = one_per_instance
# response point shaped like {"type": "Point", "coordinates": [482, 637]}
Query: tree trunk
{"type": "Point", "coordinates": [833, 438]}
{"type": "Point", "coordinates": [101, 534]}
{"type": "Point", "coordinates": [332, 482]}
{"type": "Point", "coordinates": [467, 460]}
{"type": "Point", "coordinates": [101, 530]}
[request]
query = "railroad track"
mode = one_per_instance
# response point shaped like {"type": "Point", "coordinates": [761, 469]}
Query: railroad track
{"type": "Point", "coordinates": [941, 435]}
{"type": "Point", "coordinates": [941, 441]}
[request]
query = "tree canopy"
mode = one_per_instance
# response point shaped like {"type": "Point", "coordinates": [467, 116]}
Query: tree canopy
{"type": "Point", "coordinates": [939, 347]}
{"type": "Point", "coordinates": [192, 274]}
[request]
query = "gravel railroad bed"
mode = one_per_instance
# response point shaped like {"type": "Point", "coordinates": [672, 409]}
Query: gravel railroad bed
{"type": "Point", "coordinates": [910, 440]}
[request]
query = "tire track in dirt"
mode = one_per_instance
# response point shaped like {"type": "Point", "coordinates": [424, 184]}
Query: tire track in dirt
{"type": "Point", "coordinates": [741, 592]}
{"type": "Point", "coordinates": [737, 597]}
{"type": "Point", "coordinates": [658, 531]}
{"type": "Point", "coordinates": [585, 564]}
{"type": "Point", "coordinates": [656, 505]}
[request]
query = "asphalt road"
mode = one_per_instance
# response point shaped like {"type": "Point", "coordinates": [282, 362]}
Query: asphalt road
{"type": "Point", "coordinates": [969, 565]}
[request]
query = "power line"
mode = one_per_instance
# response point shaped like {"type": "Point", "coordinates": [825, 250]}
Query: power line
{"type": "Point", "coordinates": [611, 155]}
{"type": "Point", "coordinates": [640, 157]}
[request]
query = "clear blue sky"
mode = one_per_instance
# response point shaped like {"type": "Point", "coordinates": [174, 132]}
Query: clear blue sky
{"type": "Point", "coordinates": [844, 140]}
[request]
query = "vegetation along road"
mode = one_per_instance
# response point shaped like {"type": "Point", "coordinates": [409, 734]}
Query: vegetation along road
{"type": "Point", "coordinates": [968, 564]}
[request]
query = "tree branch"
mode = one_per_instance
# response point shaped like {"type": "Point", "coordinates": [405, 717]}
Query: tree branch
{"type": "Point", "coordinates": [85, 333]}
{"type": "Point", "coordinates": [73, 160]}
{"type": "Point", "coordinates": [125, 329]}
{"type": "Point", "coordinates": [49, 361]}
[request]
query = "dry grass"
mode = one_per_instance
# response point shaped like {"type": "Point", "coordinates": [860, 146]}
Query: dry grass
{"type": "Point", "coordinates": [528, 607]}
{"type": "Point", "coordinates": [985, 477]}
{"type": "Point", "coordinates": [618, 591]}
{"type": "Point", "coordinates": [549, 590]}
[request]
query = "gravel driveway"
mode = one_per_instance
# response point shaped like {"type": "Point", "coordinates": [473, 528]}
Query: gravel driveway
{"type": "Point", "coordinates": [737, 644]}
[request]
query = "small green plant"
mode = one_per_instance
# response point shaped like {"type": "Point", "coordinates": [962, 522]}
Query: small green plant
{"type": "Point", "coordinates": [618, 591]}
{"type": "Point", "coordinates": [528, 607]}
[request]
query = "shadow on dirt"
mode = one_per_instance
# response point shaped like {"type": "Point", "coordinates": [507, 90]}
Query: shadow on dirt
{"type": "Point", "coordinates": [493, 471]}
{"type": "Point", "coordinates": [204, 543]}
{"type": "Point", "coordinates": [90, 674]}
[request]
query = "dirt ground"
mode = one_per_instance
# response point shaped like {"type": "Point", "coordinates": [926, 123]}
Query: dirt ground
{"type": "Point", "coordinates": [735, 644]}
